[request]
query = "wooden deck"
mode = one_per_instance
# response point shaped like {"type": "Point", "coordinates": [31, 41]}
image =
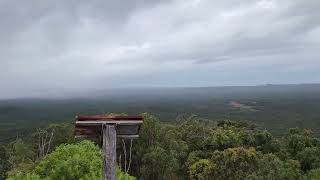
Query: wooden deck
{"type": "Point", "coordinates": [90, 127]}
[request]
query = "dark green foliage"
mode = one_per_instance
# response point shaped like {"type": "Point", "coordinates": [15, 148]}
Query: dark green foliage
{"type": "Point", "coordinates": [244, 163]}
{"type": "Point", "coordinates": [314, 174]}
{"type": "Point", "coordinates": [200, 169]}
{"type": "Point", "coordinates": [158, 152]}
{"type": "Point", "coordinates": [46, 139]}
{"type": "Point", "coordinates": [4, 163]}
{"type": "Point", "coordinates": [158, 163]}
{"type": "Point", "coordinates": [232, 163]}
{"type": "Point", "coordinates": [70, 162]}
{"type": "Point", "coordinates": [25, 176]}
{"type": "Point", "coordinates": [298, 139]}
{"type": "Point", "coordinates": [309, 158]}
{"type": "Point", "coordinates": [21, 156]}
{"type": "Point", "coordinates": [271, 167]}
{"type": "Point", "coordinates": [190, 148]}
{"type": "Point", "coordinates": [20, 152]}
{"type": "Point", "coordinates": [196, 149]}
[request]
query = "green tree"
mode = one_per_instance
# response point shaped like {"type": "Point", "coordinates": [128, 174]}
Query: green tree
{"type": "Point", "coordinates": [270, 167]}
{"type": "Point", "coordinates": [221, 138]}
{"type": "Point", "coordinates": [4, 164]}
{"type": "Point", "coordinates": [309, 158]}
{"type": "Point", "coordinates": [233, 164]}
{"type": "Point", "coordinates": [158, 164]}
{"type": "Point", "coordinates": [314, 174]}
{"type": "Point", "coordinates": [45, 140]}
{"type": "Point", "coordinates": [70, 162]}
{"type": "Point", "coordinates": [199, 169]}
{"type": "Point", "coordinates": [298, 139]}
{"type": "Point", "coordinates": [21, 156]}
{"type": "Point", "coordinates": [195, 133]}
{"type": "Point", "coordinates": [25, 176]}
{"type": "Point", "coordinates": [20, 151]}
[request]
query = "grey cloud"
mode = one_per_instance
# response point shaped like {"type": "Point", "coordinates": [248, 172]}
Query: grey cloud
{"type": "Point", "coordinates": [68, 45]}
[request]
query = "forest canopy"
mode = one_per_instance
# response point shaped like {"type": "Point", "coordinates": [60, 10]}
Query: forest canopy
{"type": "Point", "coordinates": [189, 148]}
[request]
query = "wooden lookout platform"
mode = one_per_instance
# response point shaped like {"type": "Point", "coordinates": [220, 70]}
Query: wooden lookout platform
{"type": "Point", "coordinates": [90, 127]}
{"type": "Point", "coordinates": [104, 130]}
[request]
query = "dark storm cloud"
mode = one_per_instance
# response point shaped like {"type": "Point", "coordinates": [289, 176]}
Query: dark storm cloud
{"type": "Point", "coordinates": [59, 47]}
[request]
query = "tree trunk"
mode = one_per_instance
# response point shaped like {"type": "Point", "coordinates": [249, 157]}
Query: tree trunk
{"type": "Point", "coordinates": [109, 152]}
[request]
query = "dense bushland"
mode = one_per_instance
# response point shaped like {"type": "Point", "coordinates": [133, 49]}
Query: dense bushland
{"type": "Point", "coordinates": [189, 148]}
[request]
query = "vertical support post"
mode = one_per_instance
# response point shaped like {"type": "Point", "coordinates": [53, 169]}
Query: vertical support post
{"type": "Point", "coordinates": [109, 151]}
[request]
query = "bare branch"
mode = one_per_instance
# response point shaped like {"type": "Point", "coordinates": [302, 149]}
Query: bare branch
{"type": "Point", "coordinates": [125, 155]}
{"type": "Point", "coordinates": [49, 143]}
{"type": "Point", "coordinates": [130, 153]}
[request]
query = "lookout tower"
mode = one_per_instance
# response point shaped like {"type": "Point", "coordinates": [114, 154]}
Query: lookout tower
{"type": "Point", "coordinates": [104, 130]}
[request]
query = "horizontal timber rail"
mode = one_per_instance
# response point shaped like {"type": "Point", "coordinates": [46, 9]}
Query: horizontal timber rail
{"type": "Point", "coordinates": [109, 122]}
{"type": "Point", "coordinates": [109, 117]}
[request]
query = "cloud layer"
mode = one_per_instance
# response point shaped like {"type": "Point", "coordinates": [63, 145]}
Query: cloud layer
{"type": "Point", "coordinates": [62, 47]}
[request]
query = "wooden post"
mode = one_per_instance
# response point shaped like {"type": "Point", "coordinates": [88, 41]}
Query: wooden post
{"type": "Point", "coordinates": [109, 151]}
{"type": "Point", "coordinates": [90, 127]}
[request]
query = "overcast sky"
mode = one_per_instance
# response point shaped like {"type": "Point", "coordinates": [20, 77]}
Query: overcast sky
{"type": "Point", "coordinates": [61, 47]}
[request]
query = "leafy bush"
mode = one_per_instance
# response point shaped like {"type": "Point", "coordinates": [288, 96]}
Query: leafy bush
{"type": "Point", "coordinates": [313, 174]}
{"type": "Point", "coordinates": [81, 161]}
